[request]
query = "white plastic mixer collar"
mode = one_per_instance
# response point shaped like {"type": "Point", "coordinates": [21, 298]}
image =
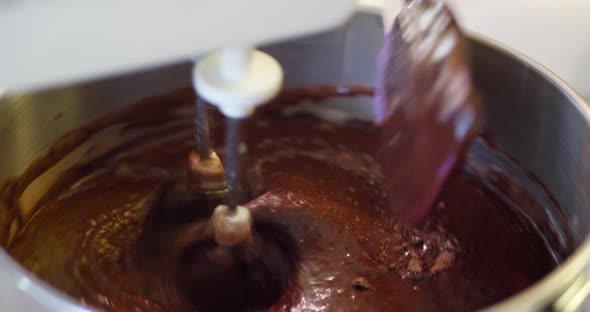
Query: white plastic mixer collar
{"type": "Point", "coordinates": [237, 79]}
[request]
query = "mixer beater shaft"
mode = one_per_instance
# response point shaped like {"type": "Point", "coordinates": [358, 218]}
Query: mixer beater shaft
{"type": "Point", "coordinates": [202, 135]}
{"type": "Point", "coordinates": [232, 161]}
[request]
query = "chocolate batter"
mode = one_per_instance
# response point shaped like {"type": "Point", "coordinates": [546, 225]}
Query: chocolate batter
{"type": "Point", "coordinates": [85, 221]}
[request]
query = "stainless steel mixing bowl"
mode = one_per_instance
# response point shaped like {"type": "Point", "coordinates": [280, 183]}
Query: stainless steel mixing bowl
{"type": "Point", "coordinates": [531, 114]}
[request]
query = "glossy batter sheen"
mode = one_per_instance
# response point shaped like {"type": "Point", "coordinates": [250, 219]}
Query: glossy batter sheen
{"type": "Point", "coordinates": [314, 191]}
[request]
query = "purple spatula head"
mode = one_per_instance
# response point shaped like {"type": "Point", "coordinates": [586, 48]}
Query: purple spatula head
{"type": "Point", "coordinates": [426, 105]}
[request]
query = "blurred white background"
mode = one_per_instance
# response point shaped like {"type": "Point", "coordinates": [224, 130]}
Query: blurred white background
{"type": "Point", "coordinates": [556, 33]}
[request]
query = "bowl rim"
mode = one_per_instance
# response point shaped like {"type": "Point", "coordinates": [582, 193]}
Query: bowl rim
{"type": "Point", "coordinates": [554, 284]}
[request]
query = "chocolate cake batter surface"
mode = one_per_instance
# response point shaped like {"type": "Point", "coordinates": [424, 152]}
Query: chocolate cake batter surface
{"type": "Point", "coordinates": [314, 189]}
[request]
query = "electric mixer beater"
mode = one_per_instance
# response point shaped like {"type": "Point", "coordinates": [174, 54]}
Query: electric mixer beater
{"type": "Point", "coordinates": [236, 80]}
{"type": "Point", "coordinates": [246, 264]}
